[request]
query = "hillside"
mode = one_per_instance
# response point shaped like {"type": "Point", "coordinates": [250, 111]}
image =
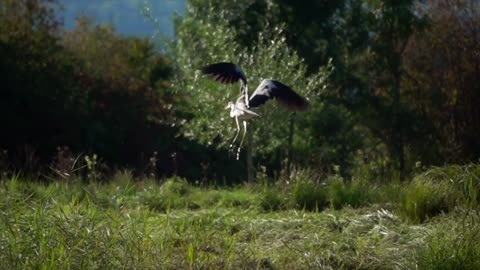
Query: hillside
{"type": "Point", "coordinates": [125, 15]}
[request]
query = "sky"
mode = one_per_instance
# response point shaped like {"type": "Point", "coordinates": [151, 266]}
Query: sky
{"type": "Point", "coordinates": [126, 15]}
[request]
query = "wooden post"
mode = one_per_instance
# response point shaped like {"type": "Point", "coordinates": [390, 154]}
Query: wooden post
{"type": "Point", "coordinates": [250, 168]}
{"type": "Point", "coordinates": [290, 145]}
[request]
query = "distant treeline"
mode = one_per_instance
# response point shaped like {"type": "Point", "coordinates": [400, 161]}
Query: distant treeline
{"type": "Point", "coordinates": [393, 87]}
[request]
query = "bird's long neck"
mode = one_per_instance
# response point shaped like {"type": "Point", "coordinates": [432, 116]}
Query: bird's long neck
{"type": "Point", "coordinates": [244, 91]}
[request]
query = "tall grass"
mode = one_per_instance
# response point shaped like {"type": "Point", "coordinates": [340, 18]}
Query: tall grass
{"type": "Point", "coordinates": [442, 189]}
{"type": "Point", "coordinates": [356, 193]}
{"type": "Point", "coordinates": [453, 244]}
{"type": "Point", "coordinates": [309, 192]}
{"type": "Point", "coordinates": [119, 225]}
{"type": "Point", "coordinates": [309, 223]}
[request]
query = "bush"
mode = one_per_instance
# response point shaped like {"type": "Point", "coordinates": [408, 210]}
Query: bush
{"type": "Point", "coordinates": [452, 246]}
{"type": "Point", "coordinates": [354, 193]}
{"type": "Point", "coordinates": [240, 198]}
{"type": "Point", "coordinates": [173, 194]}
{"type": "Point", "coordinates": [175, 186]}
{"type": "Point", "coordinates": [273, 199]}
{"type": "Point", "coordinates": [309, 194]}
{"type": "Point", "coordinates": [441, 189]}
{"type": "Point", "coordinates": [55, 92]}
{"type": "Point", "coordinates": [425, 199]}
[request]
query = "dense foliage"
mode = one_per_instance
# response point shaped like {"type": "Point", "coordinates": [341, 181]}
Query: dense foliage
{"type": "Point", "coordinates": [114, 153]}
{"type": "Point", "coordinates": [90, 90]}
{"type": "Point", "coordinates": [392, 87]}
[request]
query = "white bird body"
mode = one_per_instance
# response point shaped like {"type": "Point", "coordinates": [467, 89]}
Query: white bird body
{"type": "Point", "coordinates": [240, 109]}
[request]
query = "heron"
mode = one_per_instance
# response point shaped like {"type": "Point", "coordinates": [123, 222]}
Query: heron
{"type": "Point", "coordinates": [240, 110]}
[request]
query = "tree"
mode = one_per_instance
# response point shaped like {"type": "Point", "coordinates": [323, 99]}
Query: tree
{"type": "Point", "coordinates": [442, 67]}
{"type": "Point", "coordinates": [36, 79]}
{"type": "Point", "coordinates": [56, 92]}
{"type": "Point", "coordinates": [386, 115]}
{"type": "Point", "coordinates": [313, 29]}
{"type": "Point", "coordinates": [131, 110]}
{"type": "Point", "coordinates": [204, 39]}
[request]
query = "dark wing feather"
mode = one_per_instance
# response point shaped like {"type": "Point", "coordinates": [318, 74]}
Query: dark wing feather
{"type": "Point", "coordinates": [286, 97]}
{"type": "Point", "coordinates": [224, 72]}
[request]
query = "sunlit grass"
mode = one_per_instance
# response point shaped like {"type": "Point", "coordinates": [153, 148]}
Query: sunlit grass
{"type": "Point", "coordinates": [441, 190]}
{"type": "Point", "coordinates": [452, 243]}
{"type": "Point", "coordinates": [131, 224]}
{"type": "Point", "coordinates": [74, 233]}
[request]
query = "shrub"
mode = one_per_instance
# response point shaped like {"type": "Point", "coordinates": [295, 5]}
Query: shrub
{"type": "Point", "coordinates": [354, 193]}
{"type": "Point", "coordinates": [240, 198]}
{"type": "Point", "coordinates": [441, 189]}
{"type": "Point", "coordinates": [273, 199]}
{"type": "Point", "coordinates": [175, 186]}
{"type": "Point", "coordinates": [309, 194]}
{"type": "Point", "coordinates": [452, 246]}
{"type": "Point", "coordinates": [173, 194]}
{"type": "Point", "coordinates": [425, 199]}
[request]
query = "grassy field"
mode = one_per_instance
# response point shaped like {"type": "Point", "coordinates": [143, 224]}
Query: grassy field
{"type": "Point", "coordinates": [430, 223]}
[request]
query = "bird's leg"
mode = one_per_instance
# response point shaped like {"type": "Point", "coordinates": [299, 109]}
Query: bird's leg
{"type": "Point", "coordinates": [243, 137]}
{"type": "Point", "coordinates": [238, 131]}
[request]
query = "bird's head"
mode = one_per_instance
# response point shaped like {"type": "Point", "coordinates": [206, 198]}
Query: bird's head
{"type": "Point", "coordinates": [230, 105]}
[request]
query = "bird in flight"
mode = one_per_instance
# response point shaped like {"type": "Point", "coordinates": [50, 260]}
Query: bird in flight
{"type": "Point", "coordinates": [240, 110]}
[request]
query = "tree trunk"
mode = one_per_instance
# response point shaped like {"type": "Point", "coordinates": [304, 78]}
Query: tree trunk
{"type": "Point", "coordinates": [398, 129]}
{"type": "Point", "coordinates": [290, 145]}
{"type": "Point", "coordinates": [250, 169]}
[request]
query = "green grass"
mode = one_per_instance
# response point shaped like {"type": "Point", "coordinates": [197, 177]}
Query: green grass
{"type": "Point", "coordinates": [441, 190]}
{"type": "Point", "coordinates": [308, 224]}
{"type": "Point", "coordinates": [454, 244]}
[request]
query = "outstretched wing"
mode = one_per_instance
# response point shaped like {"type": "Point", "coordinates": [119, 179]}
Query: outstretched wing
{"type": "Point", "coordinates": [270, 89]}
{"type": "Point", "coordinates": [225, 72]}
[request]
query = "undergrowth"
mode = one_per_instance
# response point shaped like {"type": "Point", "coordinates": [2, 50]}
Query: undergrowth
{"type": "Point", "coordinates": [330, 223]}
{"type": "Point", "coordinates": [452, 244]}
{"type": "Point", "coordinates": [441, 190]}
